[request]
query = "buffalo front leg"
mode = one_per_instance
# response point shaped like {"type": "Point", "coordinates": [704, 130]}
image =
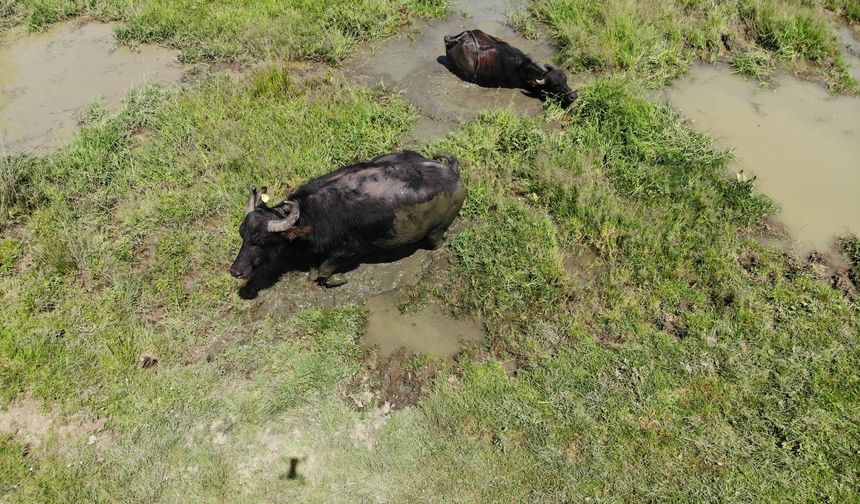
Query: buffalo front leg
{"type": "Point", "coordinates": [326, 273]}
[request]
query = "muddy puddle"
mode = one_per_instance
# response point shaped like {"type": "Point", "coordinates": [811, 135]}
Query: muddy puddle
{"type": "Point", "coordinates": [410, 64]}
{"type": "Point", "coordinates": [377, 286]}
{"type": "Point", "coordinates": [801, 143]}
{"type": "Point", "coordinates": [428, 331]}
{"type": "Point", "coordinates": [48, 79]}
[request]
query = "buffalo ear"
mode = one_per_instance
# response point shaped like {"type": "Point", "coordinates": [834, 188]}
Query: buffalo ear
{"type": "Point", "coordinates": [549, 68]}
{"type": "Point", "coordinates": [256, 199]}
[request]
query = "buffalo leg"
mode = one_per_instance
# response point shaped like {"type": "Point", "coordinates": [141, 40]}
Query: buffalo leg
{"type": "Point", "coordinates": [436, 237]}
{"type": "Point", "coordinates": [326, 272]}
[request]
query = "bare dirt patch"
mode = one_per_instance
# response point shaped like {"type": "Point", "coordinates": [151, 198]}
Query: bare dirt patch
{"type": "Point", "coordinates": [28, 421]}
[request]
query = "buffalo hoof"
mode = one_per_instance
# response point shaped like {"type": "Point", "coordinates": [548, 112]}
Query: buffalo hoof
{"type": "Point", "coordinates": [335, 280]}
{"type": "Point", "coordinates": [313, 274]}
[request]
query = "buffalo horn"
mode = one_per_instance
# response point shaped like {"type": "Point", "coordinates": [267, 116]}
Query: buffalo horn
{"type": "Point", "coordinates": [281, 225]}
{"type": "Point", "coordinates": [252, 201]}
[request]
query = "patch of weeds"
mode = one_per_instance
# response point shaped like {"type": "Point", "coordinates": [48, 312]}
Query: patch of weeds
{"type": "Point", "coordinates": [791, 33]}
{"type": "Point", "coordinates": [754, 63]}
{"type": "Point", "coordinates": [849, 9]}
{"type": "Point", "coordinates": [10, 252]}
{"type": "Point", "coordinates": [851, 248]}
{"type": "Point", "coordinates": [14, 465]}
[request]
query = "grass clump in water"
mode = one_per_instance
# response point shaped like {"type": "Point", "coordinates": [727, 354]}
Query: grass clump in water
{"type": "Point", "coordinates": [754, 63]}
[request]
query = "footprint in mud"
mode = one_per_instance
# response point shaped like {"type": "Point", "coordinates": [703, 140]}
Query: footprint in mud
{"type": "Point", "coordinates": [48, 79]}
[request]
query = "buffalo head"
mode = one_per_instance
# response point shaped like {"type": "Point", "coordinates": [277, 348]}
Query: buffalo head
{"type": "Point", "coordinates": [554, 83]}
{"type": "Point", "coordinates": [264, 230]}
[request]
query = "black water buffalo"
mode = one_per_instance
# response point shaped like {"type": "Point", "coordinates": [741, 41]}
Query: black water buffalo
{"type": "Point", "coordinates": [487, 61]}
{"type": "Point", "coordinates": [384, 204]}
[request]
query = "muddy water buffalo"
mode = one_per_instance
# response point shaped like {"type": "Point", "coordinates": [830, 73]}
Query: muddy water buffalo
{"type": "Point", "coordinates": [487, 61]}
{"type": "Point", "coordinates": [390, 202]}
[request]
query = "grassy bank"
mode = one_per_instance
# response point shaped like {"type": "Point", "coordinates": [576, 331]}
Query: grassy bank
{"type": "Point", "coordinates": [657, 41]}
{"type": "Point", "coordinates": [236, 31]}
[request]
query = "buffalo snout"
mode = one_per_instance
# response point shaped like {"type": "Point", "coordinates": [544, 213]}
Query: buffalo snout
{"type": "Point", "coordinates": [239, 272]}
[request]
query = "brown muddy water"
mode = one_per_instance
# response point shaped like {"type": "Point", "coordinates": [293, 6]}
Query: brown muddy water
{"type": "Point", "coordinates": [801, 143]}
{"type": "Point", "coordinates": [48, 79]}
{"type": "Point", "coordinates": [377, 287]}
{"type": "Point", "coordinates": [428, 331]}
{"type": "Point", "coordinates": [409, 64]}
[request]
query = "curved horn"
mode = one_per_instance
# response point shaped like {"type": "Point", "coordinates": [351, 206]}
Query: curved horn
{"type": "Point", "coordinates": [252, 201]}
{"type": "Point", "coordinates": [540, 82]}
{"type": "Point", "coordinates": [281, 225]}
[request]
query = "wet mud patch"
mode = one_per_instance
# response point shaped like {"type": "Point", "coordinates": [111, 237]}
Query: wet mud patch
{"type": "Point", "coordinates": [292, 291]}
{"type": "Point", "coordinates": [834, 270]}
{"type": "Point", "coordinates": [415, 65]}
{"type": "Point", "coordinates": [48, 79]}
{"type": "Point", "coordinates": [849, 39]}
{"type": "Point", "coordinates": [583, 266]}
{"type": "Point", "coordinates": [394, 382]}
{"type": "Point", "coordinates": [428, 330]}
{"type": "Point", "coordinates": [801, 144]}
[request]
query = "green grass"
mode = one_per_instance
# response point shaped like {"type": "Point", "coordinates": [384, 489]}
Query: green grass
{"type": "Point", "coordinates": [754, 400]}
{"type": "Point", "coordinates": [656, 41]}
{"type": "Point", "coordinates": [849, 9]}
{"type": "Point", "coordinates": [119, 244]}
{"type": "Point", "coordinates": [325, 30]}
{"type": "Point", "coordinates": [692, 363]}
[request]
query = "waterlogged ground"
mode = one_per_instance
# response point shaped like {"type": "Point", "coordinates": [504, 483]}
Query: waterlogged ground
{"type": "Point", "coordinates": [849, 39]}
{"type": "Point", "coordinates": [801, 143]}
{"type": "Point", "coordinates": [47, 80]}
{"type": "Point", "coordinates": [599, 327]}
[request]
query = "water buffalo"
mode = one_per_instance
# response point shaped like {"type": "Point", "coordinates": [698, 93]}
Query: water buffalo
{"type": "Point", "coordinates": [387, 203]}
{"type": "Point", "coordinates": [487, 61]}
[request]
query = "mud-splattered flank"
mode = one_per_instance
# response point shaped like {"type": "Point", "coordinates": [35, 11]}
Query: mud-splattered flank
{"type": "Point", "coordinates": [802, 144]}
{"type": "Point", "coordinates": [48, 79]}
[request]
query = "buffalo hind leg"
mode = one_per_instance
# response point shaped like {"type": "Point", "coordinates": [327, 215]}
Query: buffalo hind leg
{"type": "Point", "coordinates": [436, 237]}
{"type": "Point", "coordinates": [326, 275]}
